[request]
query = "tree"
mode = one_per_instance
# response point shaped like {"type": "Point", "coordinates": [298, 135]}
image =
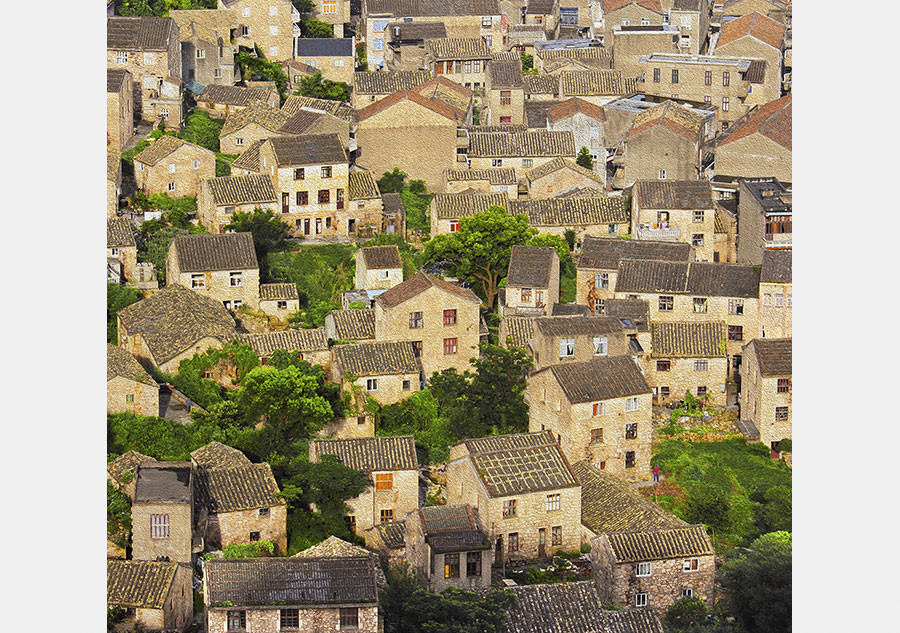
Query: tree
{"type": "Point", "coordinates": [421, 416]}
{"type": "Point", "coordinates": [117, 298]}
{"type": "Point", "coordinates": [527, 62]}
{"type": "Point", "coordinates": [478, 253]}
{"type": "Point", "coordinates": [314, 86]}
{"type": "Point", "coordinates": [154, 247]}
{"type": "Point", "coordinates": [392, 181]}
{"type": "Point", "coordinates": [709, 504]}
{"type": "Point", "coordinates": [311, 27]}
{"type": "Point", "coordinates": [686, 612]}
{"type": "Point", "coordinates": [759, 580]}
{"type": "Point", "coordinates": [269, 232]}
{"type": "Point", "coordinates": [202, 130]}
{"type": "Point", "coordinates": [584, 158]}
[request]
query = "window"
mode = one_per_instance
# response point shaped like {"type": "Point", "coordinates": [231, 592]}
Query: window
{"type": "Point", "coordinates": [406, 385]}
{"type": "Point", "coordinates": [473, 564]}
{"type": "Point", "coordinates": [273, 51]}
{"type": "Point", "coordinates": [415, 320]}
{"type": "Point", "coordinates": [379, 25]}
{"type": "Point", "coordinates": [643, 569]}
{"type": "Point", "coordinates": [371, 384]}
{"type": "Point", "coordinates": [735, 333]}
{"type": "Point", "coordinates": [159, 526]}
{"type": "Point", "coordinates": [640, 600]}
{"type": "Point", "coordinates": [599, 306]}
{"type": "Point", "coordinates": [701, 365]}
{"type": "Point", "coordinates": [509, 508]}
{"type": "Point", "coordinates": [324, 196]}
{"type": "Point", "coordinates": [666, 303]}
{"type": "Point", "coordinates": [701, 391]}
{"type": "Point", "coordinates": [691, 564]}
{"type": "Point", "coordinates": [486, 22]}
{"type": "Point", "coordinates": [736, 361]}
{"type": "Point", "coordinates": [140, 166]}
{"type": "Point", "coordinates": [326, 171]}
{"type": "Point", "coordinates": [171, 186]}
{"type": "Point", "coordinates": [600, 345]}
{"type": "Point", "coordinates": [767, 299]}
{"type": "Point", "coordinates": [568, 16]}
{"type": "Point", "coordinates": [697, 239]}
{"type": "Point", "coordinates": [779, 300]}
{"type": "Point", "coordinates": [245, 12]}
{"type": "Point", "coordinates": [663, 365]}
{"type": "Point", "coordinates": [129, 397]}
{"type": "Point", "coordinates": [496, 162]}
{"type": "Point", "coordinates": [454, 226]}
{"type": "Point", "coordinates": [360, 419]}
{"type": "Point", "coordinates": [449, 346]}
{"type": "Point", "coordinates": [687, 593]}
{"type": "Point", "coordinates": [171, 168]}
{"type": "Point", "coordinates": [238, 141]}
{"type": "Point", "coordinates": [121, 57]}
{"type": "Point", "coordinates": [245, 30]}
{"type": "Point", "coordinates": [724, 104]}
{"type": "Point", "coordinates": [449, 317]}
{"type": "Point", "coordinates": [387, 515]}
{"type": "Point", "coordinates": [781, 413]}
{"type": "Point", "coordinates": [598, 409]}
{"type": "Point", "coordinates": [115, 252]}
{"type": "Point", "coordinates": [281, 305]}
{"type": "Point", "coordinates": [527, 163]}
{"type": "Point", "coordinates": [384, 481]}
{"type": "Point", "coordinates": [707, 78]}
{"type": "Point", "coordinates": [626, 22]}
{"type": "Point", "coordinates": [487, 40]}
{"type": "Point", "coordinates": [700, 304]}
{"type": "Point", "coordinates": [645, 21]}
{"type": "Point", "coordinates": [238, 303]}
{"type": "Point", "coordinates": [707, 99]}
{"type": "Point", "coordinates": [601, 280]}
{"type": "Point", "coordinates": [513, 541]}
{"type": "Point", "coordinates": [631, 404]}
{"type": "Point", "coordinates": [735, 306]}
{"type": "Point", "coordinates": [566, 347]}
{"type": "Point", "coordinates": [349, 617]}
{"type": "Point", "coordinates": [198, 281]}
{"type": "Point", "coordinates": [784, 385]}
{"type": "Point", "coordinates": [299, 173]}
{"type": "Point", "coordinates": [553, 502]}
{"type": "Point", "coordinates": [526, 295]}
{"type": "Point", "coordinates": [674, 75]}
{"type": "Point", "coordinates": [663, 392]}
{"type": "Point", "coordinates": [698, 216]}
{"type": "Point", "coordinates": [351, 523]}
{"type": "Point", "coordinates": [596, 436]}
{"type": "Point", "coordinates": [656, 75]}
{"type": "Point", "coordinates": [236, 620]}
{"type": "Point", "coordinates": [662, 174]}
{"type": "Point", "coordinates": [556, 535]}
{"type": "Point", "coordinates": [505, 97]}
{"type": "Point", "coordinates": [451, 565]}
{"type": "Point", "coordinates": [726, 78]}
{"type": "Point", "coordinates": [378, 44]}
{"type": "Point", "coordinates": [201, 54]}
{"type": "Point", "coordinates": [263, 512]}
{"type": "Point", "coordinates": [631, 431]}
{"type": "Point", "coordinates": [290, 618]}
{"type": "Point", "coordinates": [235, 279]}
{"type": "Point", "coordinates": [254, 536]}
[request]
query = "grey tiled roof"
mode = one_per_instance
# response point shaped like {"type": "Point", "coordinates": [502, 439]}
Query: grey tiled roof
{"type": "Point", "coordinates": [777, 266]}
{"type": "Point", "coordinates": [362, 186]}
{"type": "Point", "coordinates": [452, 528]}
{"type": "Point", "coordinates": [688, 339]}
{"type": "Point", "coordinates": [774, 356]}
{"type": "Point", "coordinates": [338, 109]}
{"type": "Point", "coordinates": [541, 84]}
{"type": "Point", "coordinates": [237, 488]}
{"type": "Point", "coordinates": [381, 257]}
{"type": "Point", "coordinates": [119, 232]}
{"type": "Point", "coordinates": [354, 325]}
{"type": "Point", "coordinates": [636, 311]}
{"type": "Point", "coordinates": [121, 363]}
{"type": "Point", "coordinates": [530, 143]}
{"type": "Point", "coordinates": [415, 31]}
{"type": "Point", "coordinates": [324, 47]}
{"type": "Point", "coordinates": [139, 33]}
{"type": "Point", "coordinates": [246, 582]}
{"type": "Point", "coordinates": [162, 147]}
{"type": "Point", "coordinates": [530, 266]}
{"type": "Point", "coordinates": [215, 251]}
{"type": "Point", "coordinates": [570, 309]}
{"type": "Point", "coordinates": [674, 194]}
{"type": "Point", "coordinates": [601, 378]}
{"type": "Point", "coordinates": [694, 278]}
{"type": "Point", "coordinates": [139, 584]}
{"type": "Point", "coordinates": [581, 211]}
{"type": "Point", "coordinates": [312, 149]}
{"type": "Point", "coordinates": [392, 202]}
{"type": "Point", "coordinates": [218, 455]}
{"type": "Point", "coordinates": [115, 77]}
{"type": "Point", "coordinates": [500, 176]}
{"type": "Point", "coordinates": [233, 95]}
{"type": "Point", "coordinates": [607, 252]}
{"type": "Point", "coordinates": [243, 189]}
{"type": "Point", "coordinates": [592, 83]}
{"type": "Point", "coordinates": [463, 205]}
{"type": "Point", "coordinates": [393, 533]}
{"type": "Point", "coordinates": [418, 284]}
{"type": "Point", "coordinates": [250, 158]}
{"type": "Point", "coordinates": [426, 8]}
{"type": "Point", "coordinates": [367, 454]}
{"type": "Point", "coordinates": [303, 340]}
{"type": "Point", "coordinates": [660, 543]}
{"type": "Point", "coordinates": [506, 74]}
{"type": "Point", "coordinates": [274, 292]}
{"type": "Point", "coordinates": [573, 325]}
{"type": "Point", "coordinates": [376, 359]}
{"type": "Point", "coordinates": [259, 112]}
{"type": "Point", "coordinates": [458, 48]}
{"type": "Point", "coordinates": [128, 461]}
{"type": "Point", "coordinates": [563, 163]}
{"type": "Point", "coordinates": [380, 82]}
{"type": "Point", "coordinates": [163, 482]}
{"type": "Point", "coordinates": [520, 330]}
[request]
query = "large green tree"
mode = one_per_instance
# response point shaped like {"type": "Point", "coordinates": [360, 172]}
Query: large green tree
{"type": "Point", "coordinates": [315, 86]}
{"type": "Point", "coordinates": [117, 298]}
{"type": "Point", "coordinates": [759, 581]}
{"type": "Point", "coordinates": [269, 232]}
{"type": "Point", "coordinates": [584, 158]}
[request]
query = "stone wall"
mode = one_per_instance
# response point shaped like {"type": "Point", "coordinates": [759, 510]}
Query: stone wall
{"type": "Point", "coordinates": [515, 109]}
{"type": "Point", "coordinates": [657, 148]}
{"type": "Point", "coordinates": [402, 498]}
{"type": "Point", "coordinates": [760, 397]}
{"type": "Point", "coordinates": [683, 377]}
{"type": "Point", "coordinates": [177, 546]}
{"type": "Point", "coordinates": [754, 156]}
{"type": "Point", "coordinates": [217, 283]}
{"type": "Point", "coordinates": [774, 319]}
{"type": "Point", "coordinates": [239, 140]}
{"type": "Point", "coordinates": [156, 178]}
{"type": "Point", "coordinates": [276, 47]}
{"type": "Point", "coordinates": [391, 388]}
{"type": "Point", "coordinates": [233, 528]}
{"type": "Point", "coordinates": [749, 48]}
{"type": "Point", "coordinates": [561, 180]}
{"type": "Point", "coordinates": [522, 164]}
{"type": "Point", "coordinates": [312, 620]}
{"type": "Point", "coordinates": [145, 398]}
{"type": "Point", "coordinates": [633, 13]}
{"type": "Point", "coordinates": [372, 279]}
{"type": "Point", "coordinates": [588, 132]}
{"type": "Point", "coordinates": [214, 218]}
{"type": "Point", "coordinates": [127, 255]}
{"type": "Point", "coordinates": [547, 348]}
{"type": "Point", "coordinates": [629, 46]}
{"type": "Point", "coordinates": [120, 116]}
{"type": "Point", "coordinates": [681, 220]}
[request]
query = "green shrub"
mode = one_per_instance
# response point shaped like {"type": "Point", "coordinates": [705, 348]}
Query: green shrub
{"type": "Point", "coordinates": [250, 550]}
{"type": "Point", "coordinates": [686, 612]}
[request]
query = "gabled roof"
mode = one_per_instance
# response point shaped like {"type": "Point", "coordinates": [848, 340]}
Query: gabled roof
{"type": "Point", "coordinates": [302, 121]}
{"type": "Point", "coordinates": [593, 83]}
{"type": "Point", "coordinates": [218, 455]}
{"type": "Point", "coordinates": [458, 48]}
{"type": "Point", "coordinates": [259, 112]}
{"type": "Point", "coordinates": [250, 158]}
{"type": "Point", "coordinates": [755, 25]}
{"type": "Point", "coordinates": [601, 378]}
{"type": "Point", "coordinates": [541, 84]}
{"type": "Point", "coordinates": [776, 266]}
{"type": "Point", "coordinates": [274, 292]}
{"type": "Point", "coordinates": [773, 355]}
{"type": "Point", "coordinates": [174, 319]}
{"type": "Point", "coordinates": [393, 202]}
{"type": "Point", "coordinates": [530, 266]}
{"type": "Point", "coordinates": [139, 584]}
{"type": "Point", "coordinates": [415, 31]}
{"type": "Point", "coordinates": [673, 194]}
{"type": "Point", "coordinates": [244, 189]}
{"type": "Point", "coordinates": [368, 454]}
{"type": "Point", "coordinates": [139, 33]}
{"type": "Point", "coordinates": [589, 210]}
{"type": "Point", "coordinates": [573, 106]}
{"type": "Point", "coordinates": [694, 278]}
{"type": "Point", "coordinates": [354, 325]}
{"type": "Point", "coordinates": [688, 339]}
{"type": "Point", "coordinates": [660, 544]}
{"type": "Point", "coordinates": [333, 547]}
{"type": "Point", "coordinates": [446, 91]}
{"type": "Point", "coordinates": [121, 363]}
{"type": "Point", "coordinates": [418, 284]}
{"type": "Point", "coordinates": [539, 7]}
{"type": "Point", "coordinates": [601, 252]}
{"type": "Point", "coordinates": [559, 163]}
{"type": "Point", "coordinates": [773, 120]}
{"type": "Point", "coordinates": [530, 143]}
{"type": "Point", "coordinates": [115, 77]}
{"type": "Point", "coordinates": [432, 8]}
{"type": "Point", "coordinates": [381, 257]}
{"type": "Point", "coordinates": [636, 311]}
{"type": "Point", "coordinates": [452, 528]}
{"type": "Point", "coordinates": [324, 47]}
{"type": "Point", "coordinates": [435, 105]}
{"type": "Point", "coordinates": [129, 461]}
{"type": "Point", "coordinates": [506, 74]}
{"type": "Point", "coordinates": [163, 482]}
{"type": "Point", "coordinates": [671, 116]}
{"type": "Point", "coordinates": [520, 330]}
{"type": "Point", "coordinates": [581, 52]}
{"type": "Point", "coordinates": [570, 309]}
{"type": "Point", "coordinates": [338, 109]}
{"type": "Point", "coordinates": [205, 22]}
{"type": "Point", "coordinates": [520, 463]}
{"type": "Point", "coordinates": [463, 205]}
{"type": "Point", "coordinates": [246, 582]}
{"type": "Point", "coordinates": [392, 533]}
{"type": "Point", "coordinates": [302, 340]}
{"type": "Point", "coordinates": [577, 325]}
{"type": "Point", "coordinates": [238, 488]}
{"type": "Point", "coordinates": [615, 5]}
{"type": "Point", "coordinates": [119, 232]}
{"type": "Point", "coordinates": [311, 149]}
{"type": "Point", "coordinates": [499, 176]}
{"type": "Point", "coordinates": [610, 504]}
{"type": "Point", "coordinates": [380, 82]}
{"type": "Point", "coordinates": [215, 251]}
{"type": "Point", "coordinates": [362, 186]}
{"type": "Point", "coordinates": [233, 95]}
{"type": "Point", "coordinates": [162, 147]}
{"type": "Point", "coordinates": [381, 358]}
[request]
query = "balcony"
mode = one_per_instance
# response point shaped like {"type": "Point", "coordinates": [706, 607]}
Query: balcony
{"type": "Point", "coordinates": [664, 232]}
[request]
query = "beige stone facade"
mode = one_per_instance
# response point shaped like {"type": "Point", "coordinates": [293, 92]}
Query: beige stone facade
{"type": "Point", "coordinates": [767, 389]}
{"type": "Point", "coordinates": [334, 12]}
{"type": "Point", "coordinates": [234, 288]}
{"type": "Point", "coordinates": [177, 608]}
{"type": "Point", "coordinates": [549, 185]}
{"type": "Point", "coordinates": [505, 104]}
{"type": "Point", "coordinates": [392, 503]}
{"type": "Point", "coordinates": [758, 153]}
{"type": "Point", "coordinates": [333, 67]}
{"type": "Point", "coordinates": [533, 300]}
{"type": "Point", "coordinates": [385, 388]}
{"type": "Point", "coordinates": [676, 211]}
{"type": "Point", "coordinates": [267, 23]}
{"type": "Point", "coordinates": [267, 619]}
{"type": "Point", "coordinates": [162, 513]}
{"type": "Point", "coordinates": [126, 395]}
{"type": "Point", "coordinates": [574, 339]}
{"type": "Point", "coordinates": [207, 56]}
{"type": "Point", "coordinates": [775, 307]}
{"type": "Point", "coordinates": [629, 45]}
{"type": "Point", "coordinates": [658, 153]}
{"type": "Point", "coordinates": [632, 14]}
{"type": "Point", "coordinates": [176, 173]}
{"type": "Point", "coordinates": [768, 47]}
{"type": "Point", "coordinates": [242, 527]}
{"type": "Point", "coordinates": [119, 109]}
{"type": "Point", "coordinates": [671, 377]}
{"type": "Point", "coordinates": [377, 277]}
{"type": "Point", "coordinates": [236, 141]}
{"type": "Point", "coordinates": [220, 198]}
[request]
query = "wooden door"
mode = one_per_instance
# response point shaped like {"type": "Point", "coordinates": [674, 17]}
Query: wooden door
{"type": "Point", "coordinates": [542, 543]}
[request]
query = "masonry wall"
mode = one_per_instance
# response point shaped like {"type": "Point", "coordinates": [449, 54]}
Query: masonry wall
{"type": "Point", "coordinates": [156, 178]}
{"type": "Point", "coordinates": [522, 164]}
{"type": "Point", "coordinates": [402, 498]}
{"type": "Point", "coordinates": [683, 377]}
{"type": "Point", "coordinates": [547, 348]}
{"type": "Point", "coordinates": [774, 319]}
{"type": "Point", "coordinates": [436, 581]}
{"type": "Point", "coordinates": [237, 141]}
{"type": "Point", "coordinates": [750, 48]}
{"type": "Point", "coordinates": [145, 401]}
{"type": "Point", "coordinates": [337, 18]}
{"type": "Point", "coordinates": [515, 109]}
{"type": "Point", "coordinates": [633, 13]}
{"type": "Point", "coordinates": [112, 197]}
{"type": "Point", "coordinates": [333, 68]}
{"type": "Point", "coordinates": [127, 255]}
{"type": "Point", "coordinates": [563, 179]}
{"type": "Point", "coordinates": [314, 620]}
{"type": "Point", "coordinates": [216, 283]}
{"type": "Point", "coordinates": [214, 218]}
{"type": "Point", "coordinates": [759, 397]}
{"type": "Point", "coordinates": [629, 46]}
{"type": "Point", "coordinates": [260, 21]}
{"type": "Point", "coordinates": [271, 308]}
{"type": "Point", "coordinates": [550, 294]}
{"type": "Point", "coordinates": [120, 115]}
{"type": "Point", "coordinates": [171, 365]}
{"type": "Point", "coordinates": [682, 221]}
{"type": "Point", "coordinates": [350, 427]}
{"type": "Point", "coordinates": [754, 156]}
{"type": "Point", "coordinates": [215, 58]}
{"type": "Point", "coordinates": [372, 279]}
{"type": "Point", "coordinates": [655, 149]}
{"type": "Point", "coordinates": [390, 387]}
{"type": "Point", "coordinates": [177, 546]}
{"type": "Point", "coordinates": [233, 528]}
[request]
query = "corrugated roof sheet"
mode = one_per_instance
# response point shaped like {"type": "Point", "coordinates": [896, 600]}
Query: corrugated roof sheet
{"type": "Point", "coordinates": [380, 82]}
{"type": "Point", "coordinates": [463, 205]}
{"type": "Point", "coordinates": [500, 176]}
{"type": "Point", "coordinates": [458, 48]}
{"type": "Point", "coordinates": [592, 83]}
{"type": "Point", "coordinates": [580, 211]}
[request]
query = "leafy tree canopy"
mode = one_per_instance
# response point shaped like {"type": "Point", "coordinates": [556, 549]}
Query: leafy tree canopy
{"type": "Point", "coordinates": [584, 158]}
{"type": "Point", "coordinates": [269, 232]}
{"type": "Point", "coordinates": [315, 86]}
{"type": "Point", "coordinates": [392, 181]}
{"type": "Point", "coordinates": [759, 580]}
{"type": "Point", "coordinates": [686, 612]}
{"type": "Point", "coordinates": [203, 130]}
{"type": "Point", "coordinates": [311, 27]}
{"type": "Point", "coordinates": [117, 298]}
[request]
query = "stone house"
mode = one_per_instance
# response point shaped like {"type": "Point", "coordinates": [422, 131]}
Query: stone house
{"type": "Point", "coordinates": [540, 88]}
{"type": "Point", "coordinates": [583, 209]}
{"type": "Point", "coordinates": [696, 292]}
{"type": "Point", "coordinates": [449, 547]}
{"type": "Point", "coordinates": [414, 132]}
{"type": "Point", "coordinates": [532, 281]}
{"type": "Point", "coordinates": [279, 301]}
{"type": "Point", "coordinates": [392, 468]}
{"type": "Point", "coordinates": [760, 144]}
{"type": "Point", "coordinates": [551, 57]}
{"type": "Point", "coordinates": [128, 386]}
{"type": "Point", "coordinates": [675, 210]}
{"type": "Point", "coordinates": [664, 143]}
{"type": "Point", "coordinates": [501, 180]}
{"type": "Point", "coordinates": [363, 216]}
{"type": "Point", "coordinates": [755, 36]}
{"type": "Point", "coordinates": [119, 108]}
{"type": "Point", "coordinates": [333, 57]}
{"type": "Point", "coordinates": [334, 12]}
{"type": "Point", "coordinates": [171, 325]}
{"type": "Point", "coordinates": [520, 150]}
{"type": "Point", "coordinates": [155, 595]}
{"type": "Point", "coordinates": [775, 294]}
{"type": "Point", "coordinates": [767, 391]}
{"type": "Point", "coordinates": [585, 120]}
{"type": "Point", "coordinates": [333, 547]}
{"type": "Point", "coordinates": [350, 325]}
{"type": "Point", "coordinates": [629, 12]}
{"type": "Point", "coordinates": [113, 183]}
{"type": "Point", "coordinates": [150, 49]}
{"type": "Point", "coordinates": [526, 493]}
{"type": "Point", "coordinates": [405, 44]}
{"type": "Point", "coordinates": [238, 500]}
{"type": "Point", "coordinates": [652, 568]}
{"type": "Point", "coordinates": [765, 216]}
{"type": "Point", "coordinates": [267, 595]}
{"type": "Point", "coordinates": [121, 249]}
{"type": "Point", "coordinates": [505, 93]}
{"type": "Point", "coordinates": [595, 86]}
{"type": "Point", "coordinates": [173, 166]}
{"type": "Point", "coordinates": [378, 267]}
{"type": "Point", "coordinates": [256, 121]}
{"type": "Point", "coordinates": [572, 339]}
{"type": "Point", "coordinates": [393, 215]}
{"type": "Point", "coordinates": [621, 113]}
{"type": "Point", "coordinates": [222, 267]}
{"type": "Point", "coordinates": [337, 109]}
{"type": "Point", "coordinates": [207, 56]}
{"type": "Point", "coordinates": [121, 472]}
{"type": "Point", "coordinates": [630, 43]}
{"type": "Point", "coordinates": [372, 85]}
{"type": "Point", "coordinates": [310, 121]}
{"type": "Point", "coordinates": [441, 320]}
{"type": "Point", "coordinates": [447, 209]}
{"type": "Point", "coordinates": [556, 608]}
{"type": "Point", "coordinates": [562, 175]}
{"type": "Point", "coordinates": [221, 100]}
{"type": "Point", "coordinates": [310, 343]}
{"type": "Point", "coordinates": [687, 357]}
{"type": "Point", "coordinates": [385, 371]}
{"type": "Point", "coordinates": [775, 9]}
{"type": "Point", "coordinates": [162, 512]}
{"type": "Point", "coordinates": [691, 18]}
{"type": "Point", "coordinates": [388, 539]}
{"type": "Point", "coordinates": [600, 411]}
{"type": "Point", "coordinates": [725, 240]}
{"type": "Point", "coordinates": [269, 24]}
{"type": "Point", "coordinates": [311, 174]}
{"type": "Point", "coordinates": [220, 198]}
{"type": "Point", "coordinates": [598, 265]}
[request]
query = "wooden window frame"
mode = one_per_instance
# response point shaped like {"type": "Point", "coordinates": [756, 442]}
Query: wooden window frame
{"type": "Point", "coordinates": [384, 481]}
